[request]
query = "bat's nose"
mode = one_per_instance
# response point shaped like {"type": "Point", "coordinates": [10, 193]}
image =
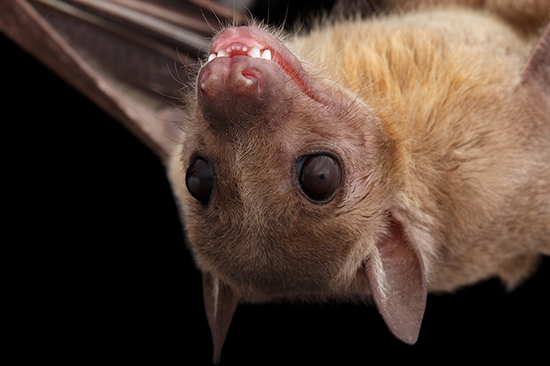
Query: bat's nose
{"type": "Point", "coordinates": [230, 78]}
{"type": "Point", "coordinates": [235, 92]}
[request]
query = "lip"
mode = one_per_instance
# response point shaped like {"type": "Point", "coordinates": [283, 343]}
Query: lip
{"type": "Point", "coordinates": [247, 41]}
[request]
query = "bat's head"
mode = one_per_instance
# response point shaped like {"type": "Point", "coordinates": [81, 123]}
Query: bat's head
{"type": "Point", "coordinates": [277, 168]}
{"type": "Point", "coordinates": [284, 179]}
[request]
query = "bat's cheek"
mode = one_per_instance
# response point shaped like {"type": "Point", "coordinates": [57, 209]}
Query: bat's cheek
{"type": "Point", "coordinates": [260, 269]}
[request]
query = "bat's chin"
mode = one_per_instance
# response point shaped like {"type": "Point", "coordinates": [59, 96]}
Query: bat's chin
{"type": "Point", "coordinates": [261, 46]}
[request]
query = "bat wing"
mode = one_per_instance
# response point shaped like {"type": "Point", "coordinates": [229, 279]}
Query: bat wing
{"type": "Point", "coordinates": [130, 58]}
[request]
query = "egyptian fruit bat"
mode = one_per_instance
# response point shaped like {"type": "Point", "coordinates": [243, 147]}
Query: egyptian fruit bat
{"type": "Point", "coordinates": [365, 159]}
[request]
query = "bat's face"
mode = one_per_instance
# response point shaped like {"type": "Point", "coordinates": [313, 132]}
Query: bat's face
{"type": "Point", "coordinates": [282, 178]}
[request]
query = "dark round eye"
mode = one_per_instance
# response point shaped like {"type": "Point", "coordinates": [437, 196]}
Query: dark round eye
{"type": "Point", "coordinates": [319, 176]}
{"type": "Point", "coordinates": [200, 180]}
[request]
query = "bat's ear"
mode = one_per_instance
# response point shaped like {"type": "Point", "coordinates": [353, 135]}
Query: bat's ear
{"type": "Point", "coordinates": [220, 304]}
{"type": "Point", "coordinates": [395, 273]}
{"type": "Point", "coordinates": [537, 70]}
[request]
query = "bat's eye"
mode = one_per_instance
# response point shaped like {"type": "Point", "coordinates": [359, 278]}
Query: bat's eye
{"type": "Point", "coordinates": [200, 180]}
{"type": "Point", "coordinates": [319, 176]}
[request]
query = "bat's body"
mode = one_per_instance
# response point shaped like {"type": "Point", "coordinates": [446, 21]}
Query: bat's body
{"type": "Point", "coordinates": [366, 159]}
{"type": "Point", "coordinates": [435, 131]}
{"type": "Point", "coordinates": [444, 86]}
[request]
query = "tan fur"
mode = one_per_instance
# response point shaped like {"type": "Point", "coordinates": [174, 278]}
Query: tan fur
{"type": "Point", "coordinates": [526, 15]}
{"type": "Point", "coordinates": [435, 125]}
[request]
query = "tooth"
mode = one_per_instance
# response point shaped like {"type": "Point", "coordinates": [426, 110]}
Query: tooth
{"type": "Point", "coordinates": [211, 57]}
{"type": "Point", "coordinates": [266, 55]}
{"type": "Point", "coordinates": [254, 52]}
{"type": "Point", "coordinates": [222, 53]}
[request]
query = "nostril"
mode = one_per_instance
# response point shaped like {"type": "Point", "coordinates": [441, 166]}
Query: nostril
{"type": "Point", "coordinates": [203, 76]}
{"type": "Point", "coordinates": [248, 75]}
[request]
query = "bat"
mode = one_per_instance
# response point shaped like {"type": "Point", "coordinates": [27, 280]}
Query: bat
{"type": "Point", "coordinates": [375, 99]}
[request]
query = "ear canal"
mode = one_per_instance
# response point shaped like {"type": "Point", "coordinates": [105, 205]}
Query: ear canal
{"type": "Point", "coordinates": [397, 281]}
{"type": "Point", "coordinates": [220, 304]}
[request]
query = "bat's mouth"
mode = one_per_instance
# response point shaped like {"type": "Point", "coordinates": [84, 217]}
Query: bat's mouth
{"type": "Point", "coordinates": [238, 49]}
{"type": "Point", "coordinates": [259, 44]}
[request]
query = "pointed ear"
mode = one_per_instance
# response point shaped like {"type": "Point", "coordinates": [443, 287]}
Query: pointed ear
{"type": "Point", "coordinates": [220, 304]}
{"type": "Point", "coordinates": [395, 273]}
{"type": "Point", "coordinates": [537, 69]}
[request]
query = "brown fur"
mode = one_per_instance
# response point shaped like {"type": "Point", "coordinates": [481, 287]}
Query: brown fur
{"type": "Point", "coordinates": [442, 126]}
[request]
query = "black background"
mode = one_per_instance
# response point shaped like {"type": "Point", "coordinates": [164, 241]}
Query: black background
{"type": "Point", "coordinates": [100, 271]}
